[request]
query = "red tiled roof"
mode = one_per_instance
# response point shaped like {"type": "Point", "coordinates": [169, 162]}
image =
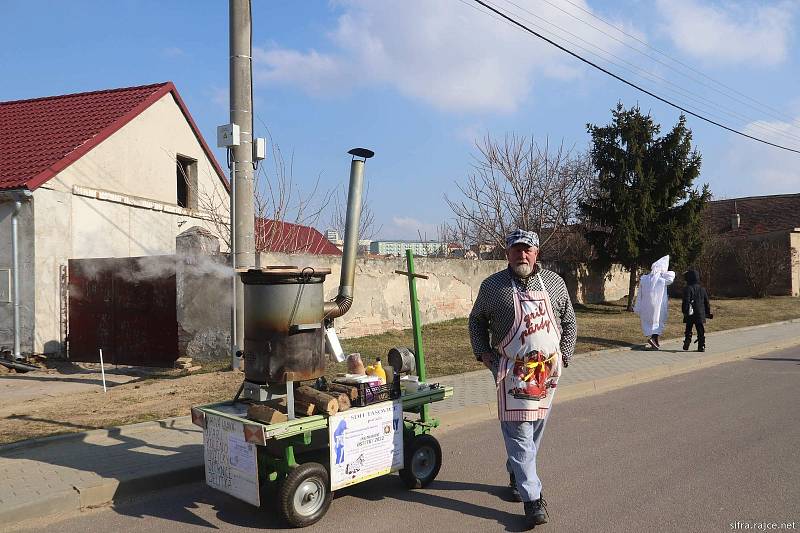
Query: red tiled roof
{"type": "Point", "coordinates": [43, 136]}
{"type": "Point", "coordinates": [285, 237]}
{"type": "Point", "coordinates": [757, 214]}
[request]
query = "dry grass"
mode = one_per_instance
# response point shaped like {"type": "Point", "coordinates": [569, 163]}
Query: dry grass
{"type": "Point", "coordinates": [447, 351]}
{"type": "Point", "coordinates": [600, 326]}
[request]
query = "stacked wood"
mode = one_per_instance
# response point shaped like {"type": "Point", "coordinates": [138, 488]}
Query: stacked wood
{"type": "Point", "coordinates": [301, 408]}
{"type": "Point", "coordinates": [183, 363]}
{"type": "Point", "coordinates": [266, 414]}
{"type": "Point", "coordinates": [322, 401]}
{"type": "Point", "coordinates": [351, 392]}
{"type": "Point", "coordinates": [342, 399]}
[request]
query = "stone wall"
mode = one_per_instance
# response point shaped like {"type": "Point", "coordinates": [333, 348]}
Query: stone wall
{"type": "Point", "coordinates": [203, 283]}
{"type": "Point", "coordinates": [381, 300]}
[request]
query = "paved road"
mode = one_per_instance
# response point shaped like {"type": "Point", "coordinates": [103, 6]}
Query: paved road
{"type": "Point", "coordinates": [713, 450]}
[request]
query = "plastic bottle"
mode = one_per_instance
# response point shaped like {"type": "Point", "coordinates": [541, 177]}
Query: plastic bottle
{"type": "Point", "coordinates": [379, 371]}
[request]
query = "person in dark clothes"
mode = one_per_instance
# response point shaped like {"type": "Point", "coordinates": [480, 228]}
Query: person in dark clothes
{"type": "Point", "coordinates": [696, 308]}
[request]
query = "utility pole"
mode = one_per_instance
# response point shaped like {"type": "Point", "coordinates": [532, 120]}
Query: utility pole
{"type": "Point", "coordinates": [243, 168]}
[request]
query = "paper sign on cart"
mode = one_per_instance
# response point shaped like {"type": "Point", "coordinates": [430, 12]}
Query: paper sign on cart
{"type": "Point", "coordinates": [231, 464]}
{"type": "Point", "coordinates": [366, 442]}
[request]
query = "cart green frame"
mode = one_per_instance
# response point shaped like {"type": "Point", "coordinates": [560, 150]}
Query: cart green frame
{"type": "Point", "coordinates": [282, 448]}
{"type": "Point", "coordinates": [292, 457]}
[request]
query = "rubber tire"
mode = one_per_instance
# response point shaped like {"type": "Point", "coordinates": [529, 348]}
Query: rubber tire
{"type": "Point", "coordinates": [425, 444]}
{"type": "Point", "coordinates": [318, 475]}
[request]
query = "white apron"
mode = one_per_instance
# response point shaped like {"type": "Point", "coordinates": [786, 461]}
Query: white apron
{"type": "Point", "coordinates": [530, 358]}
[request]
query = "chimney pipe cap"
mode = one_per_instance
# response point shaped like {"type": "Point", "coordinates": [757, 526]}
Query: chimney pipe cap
{"type": "Point", "coordinates": [361, 152]}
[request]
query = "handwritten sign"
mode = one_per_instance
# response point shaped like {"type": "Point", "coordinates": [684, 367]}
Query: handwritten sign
{"type": "Point", "coordinates": [365, 443]}
{"type": "Point", "coordinates": [231, 463]}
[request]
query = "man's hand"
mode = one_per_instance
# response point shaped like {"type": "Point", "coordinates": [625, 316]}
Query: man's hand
{"type": "Point", "coordinates": [486, 359]}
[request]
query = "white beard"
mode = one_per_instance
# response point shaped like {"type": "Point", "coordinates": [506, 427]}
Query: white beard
{"type": "Point", "coordinates": [522, 270]}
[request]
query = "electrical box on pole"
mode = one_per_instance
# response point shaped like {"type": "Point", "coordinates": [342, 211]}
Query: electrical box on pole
{"type": "Point", "coordinates": [228, 135]}
{"type": "Point", "coordinates": [259, 149]}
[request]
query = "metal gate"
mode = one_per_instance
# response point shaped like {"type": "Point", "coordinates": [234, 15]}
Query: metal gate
{"type": "Point", "coordinates": [126, 306]}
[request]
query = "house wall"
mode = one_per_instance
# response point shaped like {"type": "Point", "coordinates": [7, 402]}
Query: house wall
{"type": "Point", "coordinates": [794, 246]}
{"type": "Point", "coordinates": [26, 230]}
{"type": "Point", "coordinates": [203, 278]}
{"type": "Point", "coordinates": [118, 200]}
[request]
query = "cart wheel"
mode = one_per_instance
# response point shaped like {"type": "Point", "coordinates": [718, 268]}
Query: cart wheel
{"type": "Point", "coordinates": [423, 459]}
{"type": "Point", "coordinates": [305, 496]}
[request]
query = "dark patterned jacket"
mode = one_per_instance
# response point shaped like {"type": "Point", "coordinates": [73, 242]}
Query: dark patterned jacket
{"type": "Point", "coordinates": [492, 315]}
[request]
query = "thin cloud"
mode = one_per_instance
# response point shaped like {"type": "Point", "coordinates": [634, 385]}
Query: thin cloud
{"type": "Point", "coordinates": [731, 32]}
{"type": "Point", "coordinates": [763, 168]}
{"type": "Point", "coordinates": [413, 228]}
{"type": "Point", "coordinates": [445, 54]}
{"type": "Point", "coordinates": [173, 51]}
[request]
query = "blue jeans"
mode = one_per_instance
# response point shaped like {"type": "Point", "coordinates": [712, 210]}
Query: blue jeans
{"type": "Point", "coordinates": [522, 440]}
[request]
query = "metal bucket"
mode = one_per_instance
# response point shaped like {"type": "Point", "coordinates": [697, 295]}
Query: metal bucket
{"type": "Point", "coordinates": [283, 332]}
{"type": "Point", "coordinates": [402, 360]}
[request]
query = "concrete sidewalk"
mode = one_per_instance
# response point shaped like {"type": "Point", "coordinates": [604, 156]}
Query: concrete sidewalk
{"type": "Point", "coordinates": [67, 473]}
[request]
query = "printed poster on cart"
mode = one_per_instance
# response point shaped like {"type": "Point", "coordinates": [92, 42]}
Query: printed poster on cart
{"type": "Point", "coordinates": [366, 442]}
{"type": "Point", "coordinates": [231, 463]}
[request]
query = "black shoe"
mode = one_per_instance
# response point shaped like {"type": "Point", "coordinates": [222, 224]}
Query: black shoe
{"type": "Point", "coordinates": [512, 484]}
{"type": "Point", "coordinates": [535, 512]}
{"type": "Point", "coordinates": [652, 342]}
{"type": "Point", "coordinates": [687, 343]}
{"type": "Point", "coordinates": [701, 347]}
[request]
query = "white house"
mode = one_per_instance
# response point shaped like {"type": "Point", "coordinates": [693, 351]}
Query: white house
{"type": "Point", "coordinates": [112, 173]}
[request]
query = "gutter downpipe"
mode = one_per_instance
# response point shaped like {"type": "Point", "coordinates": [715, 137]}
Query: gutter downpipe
{"type": "Point", "coordinates": [17, 197]}
{"type": "Point", "coordinates": [344, 299]}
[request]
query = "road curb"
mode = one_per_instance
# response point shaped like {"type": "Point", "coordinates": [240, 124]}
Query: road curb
{"type": "Point", "coordinates": [482, 412]}
{"type": "Point", "coordinates": [102, 432]}
{"type": "Point", "coordinates": [109, 490]}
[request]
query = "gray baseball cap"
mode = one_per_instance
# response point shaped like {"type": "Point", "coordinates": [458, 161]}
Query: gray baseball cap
{"type": "Point", "coordinates": [520, 236]}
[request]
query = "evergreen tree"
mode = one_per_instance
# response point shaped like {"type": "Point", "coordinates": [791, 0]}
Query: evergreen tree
{"type": "Point", "coordinates": [644, 205]}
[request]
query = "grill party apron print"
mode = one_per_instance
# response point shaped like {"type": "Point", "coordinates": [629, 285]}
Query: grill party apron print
{"type": "Point", "coordinates": [530, 358]}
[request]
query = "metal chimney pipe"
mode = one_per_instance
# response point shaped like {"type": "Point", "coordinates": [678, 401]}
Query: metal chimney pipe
{"type": "Point", "coordinates": [344, 299]}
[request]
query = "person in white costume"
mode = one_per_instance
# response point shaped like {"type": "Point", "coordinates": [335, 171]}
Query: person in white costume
{"type": "Point", "coordinates": [651, 303]}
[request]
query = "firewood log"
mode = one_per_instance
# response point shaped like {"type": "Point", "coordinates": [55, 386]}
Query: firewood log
{"type": "Point", "coordinates": [301, 408]}
{"type": "Point", "coordinates": [352, 392]}
{"type": "Point", "coordinates": [322, 401]}
{"type": "Point", "coordinates": [266, 414]}
{"type": "Point", "coordinates": [342, 399]}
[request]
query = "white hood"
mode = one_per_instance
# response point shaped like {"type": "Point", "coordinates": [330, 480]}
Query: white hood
{"type": "Point", "coordinates": [662, 265]}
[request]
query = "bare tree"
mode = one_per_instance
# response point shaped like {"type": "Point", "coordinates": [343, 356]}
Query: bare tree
{"type": "Point", "coordinates": [282, 209]}
{"type": "Point", "coordinates": [762, 263]}
{"type": "Point", "coordinates": [338, 215]}
{"type": "Point", "coordinates": [715, 249]}
{"type": "Point", "coordinates": [518, 183]}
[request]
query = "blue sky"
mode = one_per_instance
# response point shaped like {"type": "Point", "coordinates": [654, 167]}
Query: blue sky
{"type": "Point", "coordinates": [419, 81]}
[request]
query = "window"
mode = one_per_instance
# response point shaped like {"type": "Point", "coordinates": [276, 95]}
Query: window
{"type": "Point", "coordinates": [186, 175]}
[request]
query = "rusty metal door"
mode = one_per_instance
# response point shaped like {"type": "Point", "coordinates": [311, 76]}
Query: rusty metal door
{"type": "Point", "coordinates": [127, 307]}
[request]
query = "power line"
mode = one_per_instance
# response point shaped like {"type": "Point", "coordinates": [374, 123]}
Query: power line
{"type": "Point", "coordinates": [631, 84]}
{"type": "Point", "coordinates": [640, 72]}
{"type": "Point", "coordinates": [779, 114]}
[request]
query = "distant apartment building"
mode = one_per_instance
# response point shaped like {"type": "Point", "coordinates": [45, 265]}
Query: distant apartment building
{"type": "Point", "coordinates": [336, 238]}
{"type": "Point", "coordinates": [419, 248]}
{"type": "Point", "coordinates": [333, 236]}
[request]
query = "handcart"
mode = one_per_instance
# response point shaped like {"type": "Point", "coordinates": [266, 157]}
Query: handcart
{"type": "Point", "coordinates": [297, 464]}
{"type": "Point", "coordinates": [294, 463]}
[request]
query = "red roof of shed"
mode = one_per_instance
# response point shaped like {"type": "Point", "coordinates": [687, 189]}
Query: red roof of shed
{"type": "Point", "coordinates": [285, 237]}
{"type": "Point", "coordinates": [43, 136]}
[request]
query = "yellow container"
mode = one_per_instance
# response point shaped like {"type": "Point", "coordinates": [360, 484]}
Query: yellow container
{"type": "Point", "coordinates": [379, 371]}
